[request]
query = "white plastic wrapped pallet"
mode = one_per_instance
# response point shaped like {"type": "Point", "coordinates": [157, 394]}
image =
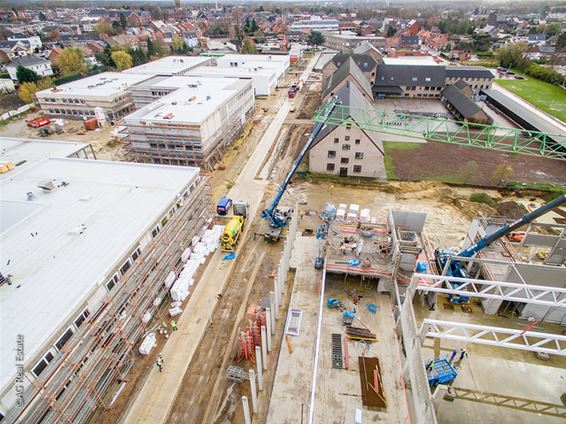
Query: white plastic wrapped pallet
{"type": "Point", "coordinates": [186, 254]}
{"type": "Point", "coordinates": [175, 311]}
{"type": "Point", "coordinates": [146, 317]}
{"type": "Point", "coordinates": [148, 343]}
{"type": "Point", "coordinates": [170, 279]}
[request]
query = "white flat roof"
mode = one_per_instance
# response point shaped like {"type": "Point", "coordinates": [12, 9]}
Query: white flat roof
{"type": "Point", "coordinates": [350, 34]}
{"type": "Point", "coordinates": [410, 60]}
{"type": "Point", "coordinates": [239, 71]}
{"type": "Point", "coordinates": [54, 272]}
{"type": "Point", "coordinates": [104, 84]}
{"type": "Point", "coordinates": [200, 82]}
{"type": "Point", "coordinates": [189, 105]}
{"type": "Point", "coordinates": [169, 65]}
{"type": "Point", "coordinates": [258, 57]}
{"type": "Point", "coordinates": [18, 150]}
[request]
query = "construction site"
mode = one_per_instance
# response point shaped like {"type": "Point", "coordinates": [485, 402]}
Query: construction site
{"type": "Point", "coordinates": [255, 291]}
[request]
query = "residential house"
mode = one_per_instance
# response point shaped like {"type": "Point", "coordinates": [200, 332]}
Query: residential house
{"type": "Point", "coordinates": [348, 150]}
{"type": "Point", "coordinates": [33, 41]}
{"type": "Point", "coordinates": [462, 107]}
{"type": "Point", "coordinates": [478, 77]}
{"type": "Point", "coordinates": [138, 18]}
{"type": "Point", "coordinates": [536, 38]}
{"type": "Point", "coordinates": [41, 67]}
{"type": "Point", "coordinates": [191, 39]}
{"type": "Point", "coordinates": [409, 41]}
{"type": "Point", "coordinates": [370, 49]}
{"type": "Point", "coordinates": [412, 28]}
{"type": "Point", "coordinates": [348, 74]}
{"type": "Point", "coordinates": [409, 81]}
{"type": "Point", "coordinates": [7, 86]}
{"type": "Point", "coordinates": [364, 61]}
{"type": "Point", "coordinates": [488, 30]}
{"type": "Point", "coordinates": [16, 48]}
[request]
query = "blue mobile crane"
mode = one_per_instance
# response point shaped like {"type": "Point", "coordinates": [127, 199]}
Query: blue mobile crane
{"type": "Point", "coordinates": [455, 268]}
{"type": "Point", "coordinates": [276, 218]}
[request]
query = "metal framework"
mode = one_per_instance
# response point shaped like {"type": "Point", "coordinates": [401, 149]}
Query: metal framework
{"type": "Point", "coordinates": [447, 131]}
{"type": "Point", "coordinates": [532, 341]}
{"type": "Point", "coordinates": [517, 403]}
{"type": "Point", "coordinates": [554, 297]}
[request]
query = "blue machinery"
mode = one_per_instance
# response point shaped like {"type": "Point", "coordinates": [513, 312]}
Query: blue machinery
{"type": "Point", "coordinates": [455, 268]}
{"type": "Point", "coordinates": [276, 218]}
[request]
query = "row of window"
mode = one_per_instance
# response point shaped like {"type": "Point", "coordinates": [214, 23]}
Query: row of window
{"type": "Point", "coordinates": [49, 356]}
{"type": "Point", "coordinates": [346, 138]}
{"type": "Point", "coordinates": [160, 93]}
{"type": "Point", "coordinates": [414, 88]}
{"type": "Point", "coordinates": [177, 162]}
{"type": "Point", "coordinates": [332, 155]}
{"type": "Point", "coordinates": [331, 167]}
{"type": "Point", "coordinates": [71, 112]}
{"type": "Point", "coordinates": [77, 101]}
{"type": "Point", "coordinates": [173, 146]}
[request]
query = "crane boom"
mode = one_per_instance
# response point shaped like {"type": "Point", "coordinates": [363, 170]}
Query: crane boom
{"type": "Point", "coordinates": [455, 268]}
{"type": "Point", "coordinates": [525, 219]}
{"type": "Point", "coordinates": [276, 219]}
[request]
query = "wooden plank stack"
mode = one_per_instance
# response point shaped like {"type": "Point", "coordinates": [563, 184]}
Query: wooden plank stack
{"type": "Point", "coordinates": [359, 333]}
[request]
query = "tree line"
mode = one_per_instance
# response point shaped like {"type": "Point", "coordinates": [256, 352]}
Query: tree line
{"type": "Point", "coordinates": [514, 56]}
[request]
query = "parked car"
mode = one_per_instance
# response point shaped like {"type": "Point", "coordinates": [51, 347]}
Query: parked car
{"type": "Point", "coordinates": [223, 206]}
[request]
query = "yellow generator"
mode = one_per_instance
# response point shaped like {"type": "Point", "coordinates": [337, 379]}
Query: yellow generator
{"type": "Point", "coordinates": [231, 234]}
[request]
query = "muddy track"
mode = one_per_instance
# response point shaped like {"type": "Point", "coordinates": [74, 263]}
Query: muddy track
{"type": "Point", "coordinates": [205, 382]}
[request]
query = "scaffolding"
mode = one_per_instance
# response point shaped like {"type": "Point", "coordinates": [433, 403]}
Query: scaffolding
{"type": "Point", "coordinates": [84, 378]}
{"type": "Point", "coordinates": [201, 153]}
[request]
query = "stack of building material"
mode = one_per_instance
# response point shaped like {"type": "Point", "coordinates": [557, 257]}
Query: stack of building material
{"type": "Point", "coordinates": [207, 244]}
{"type": "Point", "coordinates": [170, 279]}
{"type": "Point", "coordinates": [365, 216]}
{"type": "Point", "coordinates": [359, 333]}
{"type": "Point", "coordinates": [147, 317]}
{"type": "Point", "coordinates": [148, 343]}
{"type": "Point", "coordinates": [341, 212]}
{"type": "Point", "coordinates": [353, 212]}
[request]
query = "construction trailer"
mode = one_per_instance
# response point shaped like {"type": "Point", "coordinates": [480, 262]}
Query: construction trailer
{"type": "Point", "coordinates": [191, 126]}
{"type": "Point", "coordinates": [105, 237]}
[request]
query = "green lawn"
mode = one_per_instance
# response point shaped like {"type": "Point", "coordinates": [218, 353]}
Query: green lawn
{"type": "Point", "coordinates": [545, 96]}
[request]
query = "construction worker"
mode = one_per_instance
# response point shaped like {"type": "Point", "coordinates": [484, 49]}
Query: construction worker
{"type": "Point", "coordinates": [453, 356]}
{"type": "Point", "coordinates": [159, 362]}
{"type": "Point", "coordinates": [458, 362]}
{"type": "Point", "coordinates": [173, 325]}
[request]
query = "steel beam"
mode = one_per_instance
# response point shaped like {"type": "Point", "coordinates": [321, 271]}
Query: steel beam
{"type": "Point", "coordinates": [517, 403]}
{"type": "Point", "coordinates": [554, 297]}
{"type": "Point", "coordinates": [442, 130]}
{"type": "Point", "coordinates": [532, 341]}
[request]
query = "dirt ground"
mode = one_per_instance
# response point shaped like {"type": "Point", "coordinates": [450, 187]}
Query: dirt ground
{"type": "Point", "coordinates": [446, 162]}
{"type": "Point", "coordinates": [218, 400]}
{"type": "Point", "coordinates": [100, 140]}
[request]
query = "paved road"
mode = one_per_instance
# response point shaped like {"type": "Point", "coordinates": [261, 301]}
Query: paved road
{"type": "Point", "coordinates": [155, 399]}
